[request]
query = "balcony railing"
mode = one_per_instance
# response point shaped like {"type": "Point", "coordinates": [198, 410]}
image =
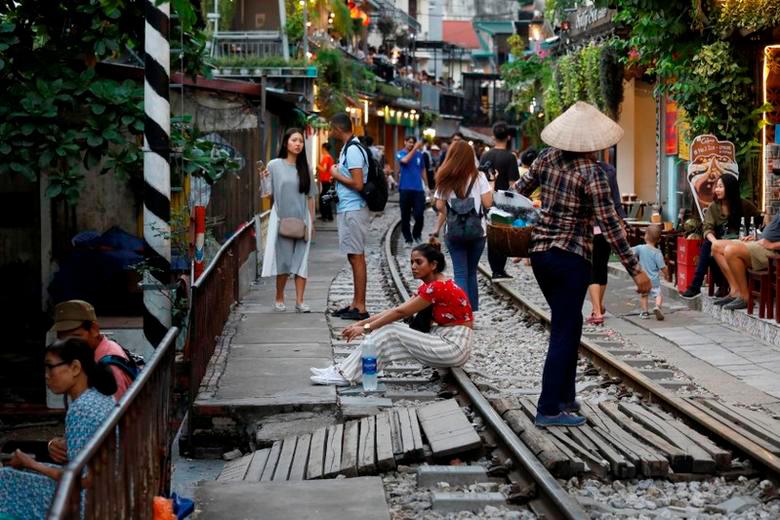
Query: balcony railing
{"type": "Point", "coordinates": [128, 460]}
{"type": "Point", "coordinates": [451, 103]}
{"type": "Point", "coordinates": [247, 44]}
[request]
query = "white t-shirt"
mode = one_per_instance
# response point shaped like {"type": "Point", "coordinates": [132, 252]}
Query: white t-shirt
{"type": "Point", "coordinates": [480, 187]}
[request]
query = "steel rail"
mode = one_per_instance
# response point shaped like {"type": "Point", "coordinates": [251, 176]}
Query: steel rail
{"type": "Point", "coordinates": [639, 381]}
{"type": "Point", "coordinates": [545, 481]}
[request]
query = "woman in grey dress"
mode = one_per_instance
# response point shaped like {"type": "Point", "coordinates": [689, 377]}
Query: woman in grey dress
{"type": "Point", "coordinates": [293, 190]}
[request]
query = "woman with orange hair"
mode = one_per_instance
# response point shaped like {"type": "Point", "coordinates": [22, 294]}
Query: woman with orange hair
{"type": "Point", "coordinates": [463, 196]}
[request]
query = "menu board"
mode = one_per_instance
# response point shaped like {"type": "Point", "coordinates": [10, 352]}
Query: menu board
{"type": "Point", "coordinates": [710, 158]}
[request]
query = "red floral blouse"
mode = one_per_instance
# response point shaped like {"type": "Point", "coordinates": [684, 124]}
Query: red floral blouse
{"type": "Point", "coordinates": [450, 303]}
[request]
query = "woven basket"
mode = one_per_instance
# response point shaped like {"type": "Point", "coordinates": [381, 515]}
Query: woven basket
{"type": "Point", "coordinates": [508, 240]}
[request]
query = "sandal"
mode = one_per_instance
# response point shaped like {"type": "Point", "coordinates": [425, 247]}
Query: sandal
{"type": "Point", "coordinates": [595, 320]}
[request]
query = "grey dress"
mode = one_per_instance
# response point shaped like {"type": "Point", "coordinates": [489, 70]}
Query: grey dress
{"type": "Point", "coordinates": [291, 254]}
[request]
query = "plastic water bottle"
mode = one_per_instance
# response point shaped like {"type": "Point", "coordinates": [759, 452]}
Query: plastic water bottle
{"type": "Point", "coordinates": [369, 366]}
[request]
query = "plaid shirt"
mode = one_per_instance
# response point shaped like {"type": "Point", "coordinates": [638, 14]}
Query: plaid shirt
{"type": "Point", "coordinates": [575, 195]}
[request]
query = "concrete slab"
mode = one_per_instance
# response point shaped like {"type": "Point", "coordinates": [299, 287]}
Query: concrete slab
{"type": "Point", "coordinates": [360, 498]}
{"type": "Point", "coordinates": [273, 335]}
{"type": "Point", "coordinates": [284, 380]}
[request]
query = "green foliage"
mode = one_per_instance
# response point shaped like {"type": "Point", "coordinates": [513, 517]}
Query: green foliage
{"type": "Point", "coordinates": [389, 91]}
{"type": "Point", "coordinates": [702, 73]}
{"type": "Point", "coordinates": [57, 115]}
{"type": "Point", "coordinates": [342, 22]}
{"type": "Point", "coordinates": [590, 67]}
{"type": "Point", "coordinates": [254, 61]}
{"type": "Point", "coordinates": [294, 23]}
{"type": "Point", "coordinates": [572, 80]}
{"type": "Point", "coordinates": [747, 15]}
{"type": "Point", "coordinates": [194, 155]}
{"type": "Point", "coordinates": [339, 77]}
{"type": "Point", "coordinates": [715, 92]}
{"type": "Point", "coordinates": [611, 79]}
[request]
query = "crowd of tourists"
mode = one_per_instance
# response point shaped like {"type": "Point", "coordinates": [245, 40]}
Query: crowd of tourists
{"type": "Point", "coordinates": [581, 225]}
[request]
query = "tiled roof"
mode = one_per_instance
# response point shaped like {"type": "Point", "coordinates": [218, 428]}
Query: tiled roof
{"type": "Point", "coordinates": [460, 33]}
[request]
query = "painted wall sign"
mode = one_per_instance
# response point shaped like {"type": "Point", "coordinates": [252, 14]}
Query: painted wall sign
{"type": "Point", "coordinates": [710, 158]}
{"type": "Point", "coordinates": [670, 128]}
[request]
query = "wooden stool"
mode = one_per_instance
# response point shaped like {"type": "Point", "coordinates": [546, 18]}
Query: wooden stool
{"type": "Point", "coordinates": [760, 284]}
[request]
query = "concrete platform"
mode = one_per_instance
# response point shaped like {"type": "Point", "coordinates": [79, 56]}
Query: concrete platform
{"type": "Point", "coordinates": [265, 367]}
{"type": "Point", "coordinates": [738, 366]}
{"type": "Point", "coordinates": [360, 498]}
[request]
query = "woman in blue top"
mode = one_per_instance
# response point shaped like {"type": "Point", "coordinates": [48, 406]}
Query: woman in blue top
{"type": "Point", "coordinates": [28, 486]}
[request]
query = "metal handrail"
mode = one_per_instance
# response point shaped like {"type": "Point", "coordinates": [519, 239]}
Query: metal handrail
{"type": "Point", "coordinates": [71, 477]}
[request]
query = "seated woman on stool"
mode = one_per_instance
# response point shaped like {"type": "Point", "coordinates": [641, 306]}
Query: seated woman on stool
{"type": "Point", "coordinates": [721, 221]}
{"type": "Point", "coordinates": [27, 487]}
{"type": "Point", "coordinates": [448, 344]}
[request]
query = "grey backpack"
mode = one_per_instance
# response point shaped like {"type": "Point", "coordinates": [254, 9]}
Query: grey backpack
{"type": "Point", "coordinates": [464, 223]}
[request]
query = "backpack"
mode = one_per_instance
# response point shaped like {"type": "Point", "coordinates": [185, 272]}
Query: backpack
{"type": "Point", "coordinates": [131, 366]}
{"type": "Point", "coordinates": [374, 190]}
{"type": "Point", "coordinates": [464, 223]}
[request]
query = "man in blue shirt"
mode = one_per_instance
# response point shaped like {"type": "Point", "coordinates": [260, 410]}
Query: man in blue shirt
{"type": "Point", "coordinates": [411, 188]}
{"type": "Point", "coordinates": [350, 174]}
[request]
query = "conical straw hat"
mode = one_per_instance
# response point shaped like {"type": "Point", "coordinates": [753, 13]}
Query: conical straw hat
{"type": "Point", "coordinates": [582, 128]}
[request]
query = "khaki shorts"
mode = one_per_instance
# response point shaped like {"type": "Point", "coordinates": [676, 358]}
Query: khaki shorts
{"type": "Point", "coordinates": [759, 256]}
{"type": "Point", "coordinates": [353, 226]}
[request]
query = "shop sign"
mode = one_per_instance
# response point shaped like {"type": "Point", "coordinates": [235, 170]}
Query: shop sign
{"type": "Point", "coordinates": [670, 134]}
{"type": "Point", "coordinates": [710, 158]}
{"type": "Point", "coordinates": [590, 18]}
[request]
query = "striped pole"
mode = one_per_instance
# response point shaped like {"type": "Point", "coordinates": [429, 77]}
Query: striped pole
{"type": "Point", "coordinates": [157, 173]}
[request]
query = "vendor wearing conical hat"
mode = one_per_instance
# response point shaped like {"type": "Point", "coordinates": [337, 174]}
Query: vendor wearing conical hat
{"type": "Point", "coordinates": [574, 192]}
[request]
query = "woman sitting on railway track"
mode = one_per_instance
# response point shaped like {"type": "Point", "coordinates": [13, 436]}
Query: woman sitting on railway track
{"type": "Point", "coordinates": [448, 344]}
{"type": "Point", "coordinates": [27, 487]}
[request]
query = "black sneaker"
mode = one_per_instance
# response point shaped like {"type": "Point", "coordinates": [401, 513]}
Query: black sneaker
{"type": "Point", "coordinates": [342, 311]}
{"type": "Point", "coordinates": [735, 305]}
{"type": "Point", "coordinates": [500, 276]}
{"type": "Point", "coordinates": [720, 302]}
{"type": "Point", "coordinates": [354, 314]}
{"type": "Point", "coordinates": [690, 293]}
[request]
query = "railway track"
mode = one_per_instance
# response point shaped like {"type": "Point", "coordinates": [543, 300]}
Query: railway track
{"type": "Point", "coordinates": [555, 501]}
{"type": "Point", "coordinates": [701, 422]}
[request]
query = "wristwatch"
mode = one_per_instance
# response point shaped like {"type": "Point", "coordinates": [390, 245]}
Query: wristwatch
{"type": "Point", "coordinates": [366, 328]}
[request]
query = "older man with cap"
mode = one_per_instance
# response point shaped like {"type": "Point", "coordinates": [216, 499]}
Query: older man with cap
{"type": "Point", "coordinates": [76, 318]}
{"type": "Point", "coordinates": [575, 195]}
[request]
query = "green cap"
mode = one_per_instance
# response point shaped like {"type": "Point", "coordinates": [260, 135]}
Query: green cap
{"type": "Point", "coordinates": [71, 314]}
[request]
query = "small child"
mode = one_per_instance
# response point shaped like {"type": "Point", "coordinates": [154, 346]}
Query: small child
{"type": "Point", "coordinates": [652, 261]}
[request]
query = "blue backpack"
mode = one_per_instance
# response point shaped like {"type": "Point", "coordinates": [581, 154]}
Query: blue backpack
{"type": "Point", "coordinates": [132, 365]}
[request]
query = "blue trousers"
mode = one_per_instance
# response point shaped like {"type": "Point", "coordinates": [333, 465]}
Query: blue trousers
{"type": "Point", "coordinates": [465, 259]}
{"type": "Point", "coordinates": [563, 278]}
{"type": "Point", "coordinates": [412, 204]}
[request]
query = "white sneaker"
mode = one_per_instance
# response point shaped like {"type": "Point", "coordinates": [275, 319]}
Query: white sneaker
{"type": "Point", "coordinates": [329, 376]}
{"type": "Point", "coordinates": [302, 307]}
{"type": "Point", "coordinates": [319, 371]}
{"type": "Point", "coordinates": [279, 307]}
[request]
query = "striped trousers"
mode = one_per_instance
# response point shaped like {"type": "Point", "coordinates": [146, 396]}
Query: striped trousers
{"type": "Point", "coordinates": [442, 347]}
